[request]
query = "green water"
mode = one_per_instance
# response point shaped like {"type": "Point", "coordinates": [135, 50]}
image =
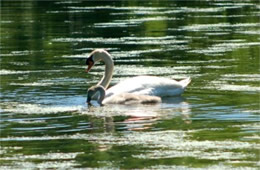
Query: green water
{"type": "Point", "coordinates": [45, 122]}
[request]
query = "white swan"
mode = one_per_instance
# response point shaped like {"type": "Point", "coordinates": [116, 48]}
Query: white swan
{"type": "Point", "coordinates": [122, 98]}
{"type": "Point", "coordinates": [141, 85]}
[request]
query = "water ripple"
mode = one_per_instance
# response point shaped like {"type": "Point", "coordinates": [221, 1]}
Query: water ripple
{"type": "Point", "coordinates": [126, 40]}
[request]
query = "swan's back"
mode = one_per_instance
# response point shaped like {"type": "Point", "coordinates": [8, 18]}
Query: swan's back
{"type": "Point", "coordinates": [149, 85]}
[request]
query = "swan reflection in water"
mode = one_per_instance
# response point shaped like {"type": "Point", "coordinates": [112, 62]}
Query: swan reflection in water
{"type": "Point", "coordinates": [141, 116]}
{"type": "Point", "coordinates": [137, 117]}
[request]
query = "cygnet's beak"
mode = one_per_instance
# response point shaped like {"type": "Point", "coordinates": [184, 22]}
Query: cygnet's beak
{"type": "Point", "coordinates": [88, 99]}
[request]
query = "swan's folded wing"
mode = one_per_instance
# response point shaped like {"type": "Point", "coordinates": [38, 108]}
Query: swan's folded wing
{"type": "Point", "coordinates": [127, 86]}
{"type": "Point", "coordinates": [148, 85]}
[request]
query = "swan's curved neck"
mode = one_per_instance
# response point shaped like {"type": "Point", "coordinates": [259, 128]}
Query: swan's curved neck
{"type": "Point", "coordinates": [109, 67]}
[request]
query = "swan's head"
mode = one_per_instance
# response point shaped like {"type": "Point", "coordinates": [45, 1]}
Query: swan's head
{"type": "Point", "coordinates": [92, 91]}
{"type": "Point", "coordinates": [95, 56]}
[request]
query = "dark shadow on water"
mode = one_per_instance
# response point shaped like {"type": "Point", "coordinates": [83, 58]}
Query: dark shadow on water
{"type": "Point", "coordinates": [173, 100]}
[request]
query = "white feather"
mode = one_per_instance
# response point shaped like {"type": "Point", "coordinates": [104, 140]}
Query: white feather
{"type": "Point", "coordinates": [149, 85]}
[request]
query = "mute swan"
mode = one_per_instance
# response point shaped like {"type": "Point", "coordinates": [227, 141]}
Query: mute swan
{"type": "Point", "coordinates": [141, 85]}
{"type": "Point", "coordinates": [122, 98]}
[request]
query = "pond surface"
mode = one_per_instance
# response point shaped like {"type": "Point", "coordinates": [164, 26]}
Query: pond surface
{"type": "Point", "coordinates": [45, 122]}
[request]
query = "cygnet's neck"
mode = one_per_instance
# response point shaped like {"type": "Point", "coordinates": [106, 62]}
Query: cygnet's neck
{"type": "Point", "coordinates": [98, 91]}
{"type": "Point", "coordinates": [102, 94]}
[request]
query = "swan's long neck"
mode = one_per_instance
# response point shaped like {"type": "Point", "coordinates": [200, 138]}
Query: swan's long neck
{"type": "Point", "coordinates": [109, 67]}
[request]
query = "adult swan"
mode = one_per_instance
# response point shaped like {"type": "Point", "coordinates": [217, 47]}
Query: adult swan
{"type": "Point", "coordinates": [140, 85]}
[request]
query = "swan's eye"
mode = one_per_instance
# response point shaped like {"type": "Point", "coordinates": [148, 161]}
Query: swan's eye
{"type": "Point", "coordinates": [90, 60]}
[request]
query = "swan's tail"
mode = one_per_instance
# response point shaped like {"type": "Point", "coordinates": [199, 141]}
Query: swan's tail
{"type": "Point", "coordinates": [185, 82]}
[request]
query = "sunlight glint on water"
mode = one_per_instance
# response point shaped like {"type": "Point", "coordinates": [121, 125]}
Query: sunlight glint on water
{"type": "Point", "coordinates": [46, 123]}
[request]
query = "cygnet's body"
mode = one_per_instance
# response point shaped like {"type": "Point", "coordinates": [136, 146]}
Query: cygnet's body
{"type": "Point", "coordinates": [123, 98]}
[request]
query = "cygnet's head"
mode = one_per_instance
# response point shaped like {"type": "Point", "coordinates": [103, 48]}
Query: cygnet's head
{"type": "Point", "coordinates": [92, 91]}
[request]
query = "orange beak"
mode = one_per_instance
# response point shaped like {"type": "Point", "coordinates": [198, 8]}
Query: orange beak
{"type": "Point", "coordinates": [90, 64]}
